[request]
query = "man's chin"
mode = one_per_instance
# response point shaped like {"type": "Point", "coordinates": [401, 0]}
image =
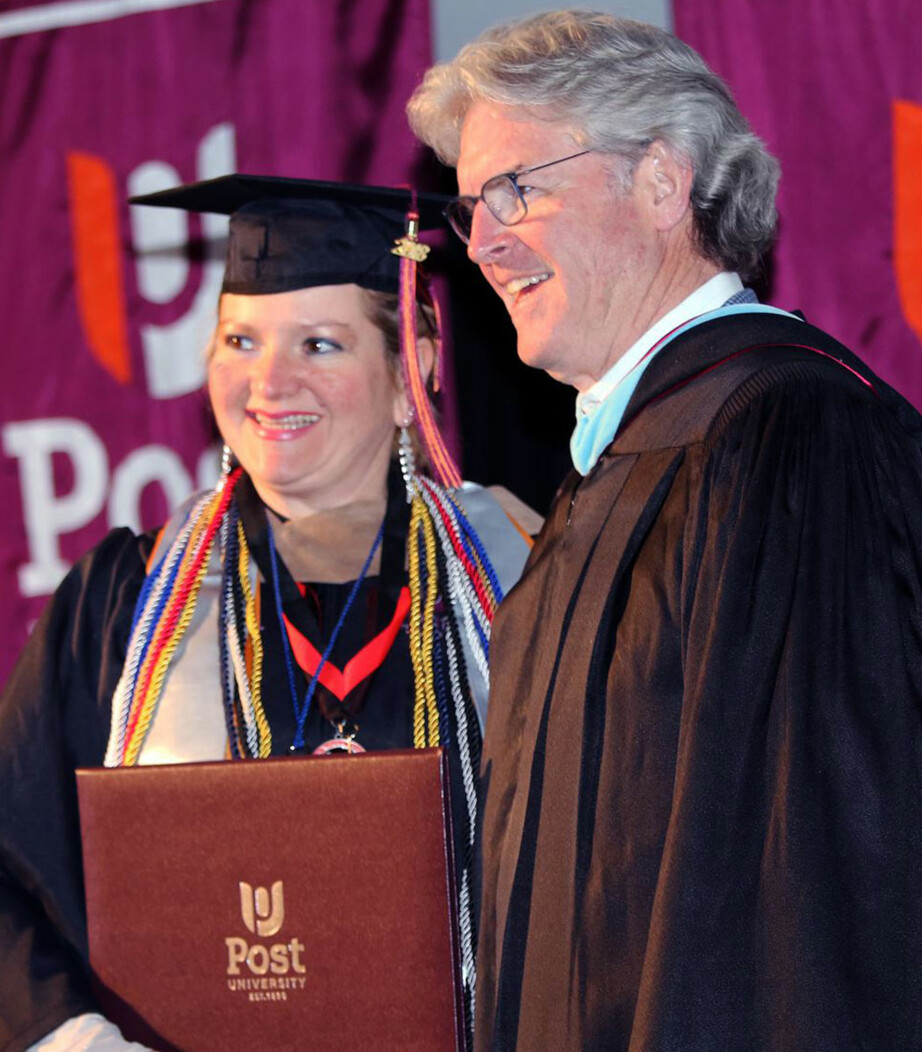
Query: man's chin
{"type": "Point", "coordinates": [532, 363]}
{"type": "Point", "coordinates": [534, 353]}
{"type": "Point", "coordinates": [539, 355]}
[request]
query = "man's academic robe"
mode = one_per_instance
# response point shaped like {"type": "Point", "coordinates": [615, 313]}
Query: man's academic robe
{"type": "Point", "coordinates": [703, 819]}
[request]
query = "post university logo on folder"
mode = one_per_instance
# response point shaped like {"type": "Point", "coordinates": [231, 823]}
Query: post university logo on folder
{"type": "Point", "coordinates": [264, 972]}
{"type": "Point", "coordinates": [217, 924]}
{"type": "Point", "coordinates": [263, 912]}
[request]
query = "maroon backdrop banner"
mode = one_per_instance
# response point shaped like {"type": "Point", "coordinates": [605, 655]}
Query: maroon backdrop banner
{"type": "Point", "coordinates": [106, 317]}
{"type": "Point", "coordinates": [834, 87]}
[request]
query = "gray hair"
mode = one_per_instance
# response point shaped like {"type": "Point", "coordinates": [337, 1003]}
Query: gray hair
{"type": "Point", "coordinates": [624, 85]}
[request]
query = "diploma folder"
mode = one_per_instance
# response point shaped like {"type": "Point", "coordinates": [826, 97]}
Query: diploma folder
{"type": "Point", "coordinates": [302, 903]}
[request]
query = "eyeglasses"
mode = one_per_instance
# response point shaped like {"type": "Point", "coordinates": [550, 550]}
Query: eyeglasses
{"type": "Point", "coordinates": [502, 195]}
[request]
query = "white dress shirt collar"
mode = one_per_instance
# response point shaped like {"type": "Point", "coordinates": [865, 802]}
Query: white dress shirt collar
{"type": "Point", "coordinates": [709, 296]}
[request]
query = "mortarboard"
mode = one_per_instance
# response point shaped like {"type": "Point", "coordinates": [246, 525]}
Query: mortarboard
{"type": "Point", "coordinates": [288, 234]}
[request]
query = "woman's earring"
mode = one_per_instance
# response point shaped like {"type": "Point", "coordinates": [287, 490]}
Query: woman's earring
{"type": "Point", "coordinates": [228, 460]}
{"type": "Point", "coordinates": [407, 458]}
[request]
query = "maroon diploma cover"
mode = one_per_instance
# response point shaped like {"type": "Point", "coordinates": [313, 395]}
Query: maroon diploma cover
{"type": "Point", "coordinates": [275, 904]}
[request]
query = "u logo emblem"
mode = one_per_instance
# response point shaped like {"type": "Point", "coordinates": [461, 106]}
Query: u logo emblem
{"type": "Point", "coordinates": [263, 912]}
{"type": "Point", "coordinates": [173, 346]}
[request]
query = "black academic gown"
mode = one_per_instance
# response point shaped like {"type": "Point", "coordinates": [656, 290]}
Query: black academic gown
{"type": "Point", "coordinates": [55, 715]}
{"type": "Point", "coordinates": [703, 813]}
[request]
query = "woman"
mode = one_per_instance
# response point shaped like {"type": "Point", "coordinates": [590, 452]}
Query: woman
{"type": "Point", "coordinates": [316, 541]}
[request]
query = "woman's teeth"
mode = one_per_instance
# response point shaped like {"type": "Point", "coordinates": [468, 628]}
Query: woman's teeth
{"type": "Point", "coordinates": [291, 422]}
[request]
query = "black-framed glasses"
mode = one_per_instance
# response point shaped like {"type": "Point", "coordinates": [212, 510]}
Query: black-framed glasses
{"type": "Point", "coordinates": [502, 195]}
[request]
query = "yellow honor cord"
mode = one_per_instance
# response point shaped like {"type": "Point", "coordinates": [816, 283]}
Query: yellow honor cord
{"type": "Point", "coordinates": [255, 640]}
{"type": "Point", "coordinates": [422, 626]}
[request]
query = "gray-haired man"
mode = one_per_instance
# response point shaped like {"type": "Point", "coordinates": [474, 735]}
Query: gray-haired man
{"type": "Point", "coordinates": [701, 827]}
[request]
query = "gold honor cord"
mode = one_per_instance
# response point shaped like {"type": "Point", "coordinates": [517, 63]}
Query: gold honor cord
{"type": "Point", "coordinates": [422, 627]}
{"type": "Point", "coordinates": [264, 747]}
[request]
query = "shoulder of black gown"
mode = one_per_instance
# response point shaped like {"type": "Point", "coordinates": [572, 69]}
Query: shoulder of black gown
{"type": "Point", "coordinates": [795, 834]}
{"type": "Point", "coordinates": [54, 716]}
{"type": "Point", "coordinates": [716, 366]}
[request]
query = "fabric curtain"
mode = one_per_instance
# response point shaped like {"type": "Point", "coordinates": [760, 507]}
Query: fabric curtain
{"type": "Point", "coordinates": [834, 87]}
{"type": "Point", "coordinates": [107, 310]}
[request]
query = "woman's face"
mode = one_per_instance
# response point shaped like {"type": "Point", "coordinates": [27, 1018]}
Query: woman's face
{"type": "Point", "coordinates": [304, 396]}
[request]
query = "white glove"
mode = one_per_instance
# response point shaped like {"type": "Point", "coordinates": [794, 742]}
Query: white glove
{"type": "Point", "coordinates": [86, 1033]}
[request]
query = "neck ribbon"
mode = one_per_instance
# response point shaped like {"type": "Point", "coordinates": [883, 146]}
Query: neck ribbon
{"type": "Point", "coordinates": [301, 709]}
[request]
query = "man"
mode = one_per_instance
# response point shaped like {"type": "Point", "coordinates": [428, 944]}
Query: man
{"type": "Point", "coordinates": [701, 824]}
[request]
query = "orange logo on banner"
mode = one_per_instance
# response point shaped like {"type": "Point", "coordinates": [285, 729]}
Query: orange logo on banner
{"type": "Point", "coordinates": [98, 262]}
{"type": "Point", "coordinates": [907, 209]}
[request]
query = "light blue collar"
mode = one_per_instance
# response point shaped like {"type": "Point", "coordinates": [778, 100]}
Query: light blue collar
{"type": "Point", "coordinates": [595, 431]}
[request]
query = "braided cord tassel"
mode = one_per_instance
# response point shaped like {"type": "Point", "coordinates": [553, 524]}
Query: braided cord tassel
{"type": "Point", "coordinates": [475, 559]}
{"type": "Point", "coordinates": [153, 597]}
{"type": "Point", "coordinates": [439, 457]}
{"type": "Point", "coordinates": [467, 536]}
{"type": "Point", "coordinates": [419, 702]}
{"type": "Point", "coordinates": [472, 582]}
{"type": "Point", "coordinates": [422, 626]}
{"type": "Point", "coordinates": [466, 748]}
{"type": "Point", "coordinates": [158, 676]}
{"type": "Point", "coordinates": [236, 641]}
{"type": "Point", "coordinates": [226, 616]}
{"type": "Point", "coordinates": [145, 698]}
{"type": "Point", "coordinates": [468, 952]}
{"type": "Point", "coordinates": [263, 743]}
{"type": "Point", "coordinates": [128, 703]}
{"type": "Point", "coordinates": [159, 630]}
{"type": "Point", "coordinates": [461, 590]}
{"type": "Point", "coordinates": [467, 737]}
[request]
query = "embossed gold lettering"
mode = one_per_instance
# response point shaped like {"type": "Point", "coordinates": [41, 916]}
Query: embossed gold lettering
{"type": "Point", "coordinates": [279, 955]}
{"type": "Point", "coordinates": [296, 946]}
{"type": "Point", "coordinates": [258, 960]}
{"type": "Point", "coordinates": [279, 958]}
{"type": "Point", "coordinates": [236, 954]}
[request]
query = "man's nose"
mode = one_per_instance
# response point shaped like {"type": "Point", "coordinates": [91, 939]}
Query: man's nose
{"type": "Point", "coordinates": [489, 237]}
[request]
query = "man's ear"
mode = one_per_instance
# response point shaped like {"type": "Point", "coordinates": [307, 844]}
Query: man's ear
{"type": "Point", "coordinates": [664, 180]}
{"type": "Point", "coordinates": [425, 350]}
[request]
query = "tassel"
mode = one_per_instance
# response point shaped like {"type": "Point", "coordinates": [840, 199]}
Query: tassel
{"type": "Point", "coordinates": [411, 252]}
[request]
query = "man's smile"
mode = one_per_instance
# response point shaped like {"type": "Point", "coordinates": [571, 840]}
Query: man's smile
{"type": "Point", "coordinates": [516, 285]}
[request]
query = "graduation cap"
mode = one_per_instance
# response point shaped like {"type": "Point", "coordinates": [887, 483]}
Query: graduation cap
{"type": "Point", "coordinates": [288, 234]}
